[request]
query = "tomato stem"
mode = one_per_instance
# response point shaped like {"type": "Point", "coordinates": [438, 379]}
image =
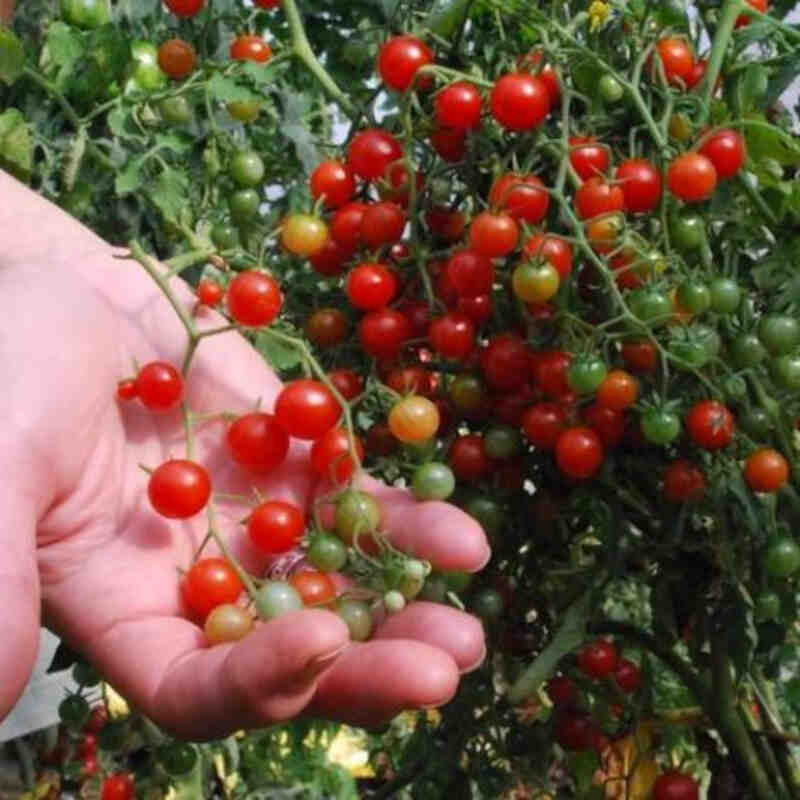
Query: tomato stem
{"type": "Point", "coordinates": [727, 21]}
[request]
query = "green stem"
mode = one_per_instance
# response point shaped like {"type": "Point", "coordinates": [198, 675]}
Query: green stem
{"type": "Point", "coordinates": [758, 201]}
{"type": "Point", "coordinates": [244, 576]}
{"type": "Point", "coordinates": [70, 114]}
{"type": "Point", "coordinates": [727, 22]}
{"type": "Point", "coordinates": [302, 49]}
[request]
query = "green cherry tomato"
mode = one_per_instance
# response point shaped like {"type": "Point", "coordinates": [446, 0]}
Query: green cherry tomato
{"type": "Point", "coordinates": [357, 616]}
{"type": "Point", "coordinates": [747, 351]}
{"type": "Point", "coordinates": [457, 581]}
{"type": "Point", "coordinates": [726, 295]}
{"type": "Point", "coordinates": [149, 77]}
{"type": "Point", "coordinates": [86, 13]}
{"type": "Point", "coordinates": [688, 231]}
{"type": "Point", "coordinates": [488, 512]}
{"type": "Point", "coordinates": [782, 557]}
{"type": "Point", "coordinates": [779, 333]}
{"type": "Point", "coordinates": [502, 442]}
{"type": "Point", "coordinates": [143, 52]}
{"type": "Point", "coordinates": [756, 423]}
{"type": "Point", "coordinates": [735, 388]}
{"type": "Point", "coordinates": [767, 606]}
{"type": "Point", "coordinates": [691, 352]}
{"type": "Point", "coordinates": [177, 758]}
{"type": "Point", "coordinates": [433, 481]}
{"type": "Point", "coordinates": [326, 552]}
{"type": "Point", "coordinates": [224, 236]}
{"type": "Point", "coordinates": [276, 598]}
{"type": "Point", "coordinates": [694, 296]}
{"type": "Point", "coordinates": [85, 675]}
{"type": "Point", "coordinates": [435, 589]}
{"type": "Point", "coordinates": [650, 305]}
{"type": "Point", "coordinates": [660, 426]}
{"type": "Point", "coordinates": [487, 604]}
{"type": "Point", "coordinates": [357, 514]}
{"type": "Point", "coordinates": [468, 393]}
{"type": "Point", "coordinates": [611, 90]}
{"type": "Point", "coordinates": [247, 169]}
{"type": "Point", "coordinates": [586, 373]}
{"type": "Point", "coordinates": [244, 204]}
{"type": "Point", "coordinates": [244, 110]}
{"type": "Point", "coordinates": [74, 711]}
{"type": "Point", "coordinates": [535, 282]}
{"type": "Point", "coordinates": [785, 371]}
{"type": "Point", "coordinates": [176, 110]}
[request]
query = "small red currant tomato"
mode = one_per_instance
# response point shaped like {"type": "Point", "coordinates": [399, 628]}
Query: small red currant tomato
{"type": "Point", "coordinates": [179, 489]}
{"type": "Point", "coordinates": [159, 386]}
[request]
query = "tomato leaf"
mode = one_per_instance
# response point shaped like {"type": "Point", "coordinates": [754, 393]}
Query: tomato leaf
{"type": "Point", "coordinates": [169, 195]}
{"type": "Point", "coordinates": [446, 16]}
{"type": "Point", "coordinates": [296, 105]}
{"type": "Point", "coordinates": [12, 56]}
{"type": "Point", "coordinates": [16, 147]}
{"type": "Point", "coordinates": [751, 88]}
{"type": "Point", "coordinates": [279, 355]}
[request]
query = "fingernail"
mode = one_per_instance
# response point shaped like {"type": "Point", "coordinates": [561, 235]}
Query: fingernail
{"type": "Point", "coordinates": [476, 665]}
{"type": "Point", "coordinates": [487, 559]}
{"type": "Point", "coordinates": [319, 664]}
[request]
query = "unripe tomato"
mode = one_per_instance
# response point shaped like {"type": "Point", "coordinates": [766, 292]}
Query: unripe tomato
{"type": "Point", "coordinates": [304, 234]}
{"type": "Point", "coordinates": [782, 557]}
{"type": "Point", "coordinates": [520, 101]}
{"type": "Point", "coordinates": [227, 623]}
{"type": "Point", "coordinates": [535, 282]}
{"type": "Point", "coordinates": [399, 59]}
{"type": "Point", "coordinates": [414, 419]}
{"type": "Point", "coordinates": [86, 13]}
{"type": "Point", "coordinates": [247, 168]}
{"type": "Point", "coordinates": [176, 110]}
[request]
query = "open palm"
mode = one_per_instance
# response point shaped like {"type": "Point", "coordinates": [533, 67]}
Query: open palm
{"type": "Point", "coordinates": [77, 523]}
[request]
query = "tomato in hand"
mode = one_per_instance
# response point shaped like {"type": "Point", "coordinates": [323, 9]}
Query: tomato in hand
{"type": "Point", "coordinates": [370, 286]}
{"type": "Point", "coordinates": [597, 196]}
{"type": "Point", "coordinates": [683, 482]}
{"type": "Point", "coordinates": [159, 386]}
{"type": "Point", "coordinates": [370, 153]}
{"type": "Point", "coordinates": [209, 293]}
{"type": "Point", "coordinates": [275, 527]}
{"type": "Point", "coordinates": [334, 180]}
{"type": "Point", "coordinates": [520, 101]}
{"type": "Point", "coordinates": [179, 489]}
{"type": "Point", "coordinates": [458, 106]}
{"type": "Point", "coordinates": [331, 456]}
{"type": "Point", "coordinates": [399, 59]}
{"type": "Point", "coordinates": [249, 47]}
{"type": "Point", "coordinates": [315, 588]}
{"type": "Point", "coordinates": [692, 177]}
{"type": "Point", "coordinates": [579, 452]}
{"type": "Point", "coordinates": [227, 623]}
{"type": "Point", "coordinates": [710, 425]}
{"type": "Point", "coordinates": [598, 659]}
{"type": "Point", "coordinates": [306, 409]}
{"type": "Point", "coordinates": [257, 442]}
{"type": "Point", "coordinates": [254, 299]}
{"type": "Point", "coordinates": [177, 58]}
{"type": "Point", "coordinates": [725, 149]}
{"type": "Point", "coordinates": [588, 158]}
{"type": "Point", "coordinates": [209, 583]}
{"type": "Point", "coordinates": [766, 470]}
{"type": "Point", "coordinates": [641, 185]}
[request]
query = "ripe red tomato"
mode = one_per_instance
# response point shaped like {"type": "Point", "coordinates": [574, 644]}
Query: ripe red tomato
{"type": "Point", "coordinates": [275, 527]}
{"type": "Point", "coordinates": [249, 47]}
{"type": "Point", "coordinates": [209, 293]}
{"type": "Point", "coordinates": [327, 327]}
{"type": "Point", "coordinates": [330, 456]}
{"type": "Point", "coordinates": [177, 58]}
{"type": "Point", "coordinates": [520, 101]}
{"type": "Point", "coordinates": [419, 317]}
{"type": "Point", "coordinates": [257, 442]}
{"type": "Point", "coordinates": [766, 470]}
{"type": "Point", "coordinates": [677, 59]}
{"type": "Point", "coordinates": [641, 185]}
{"type": "Point", "coordinates": [399, 59]}
{"type": "Point", "coordinates": [505, 362]}
{"type": "Point", "coordinates": [315, 588]}
{"type": "Point", "coordinates": [345, 227]}
{"type": "Point", "coordinates": [618, 391]}
{"type": "Point", "coordinates": [550, 372]}
{"type": "Point", "coordinates": [330, 260]}
{"type": "Point", "coordinates": [640, 355]}
{"type": "Point", "coordinates": [579, 452]}
{"type": "Point", "coordinates": [607, 423]}
{"type": "Point", "coordinates": [574, 732]}
{"type": "Point", "coordinates": [683, 482]}
{"type": "Point", "coordinates": [725, 149]}
{"type": "Point", "coordinates": [349, 384]}
{"type": "Point", "coordinates": [334, 180]}
{"type": "Point", "coordinates": [562, 690]}
{"type": "Point", "coordinates": [370, 286]}
{"type": "Point", "coordinates": [411, 380]}
{"type": "Point", "coordinates": [493, 235]}
{"type": "Point", "coordinates": [523, 196]}
{"type": "Point", "coordinates": [674, 785]}
{"type": "Point", "coordinates": [396, 185]}
{"type": "Point", "coordinates": [598, 659]}
{"type": "Point", "coordinates": [444, 222]}
{"type": "Point", "coordinates": [543, 423]}
{"type": "Point", "coordinates": [380, 440]}
{"type": "Point", "coordinates": [179, 489]}
{"type": "Point", "coordinates": [692, 177]}
{"type": "Point", "coordinates": [371, 151]}
{"type": "Point", "coordinates": [88, 745]}
{"type": "Point", "coordinates": [267, 3]}
{"type": "Point", "coordinates": [306, 409]}
{"type": "Point", "coordinates": [383, 333]}
{"type": "Point", "coordinates": [458, 106]}
{"type": "Point", "coordinates": [452, 336]}
{"type": "Point", "coordinates": [552, 249]}
{"type": "Point", "coordinates": [532, 62]}
{"type": "Point", "coordinates": [208, 584]}
{"type": "Point", "coordinates": [627, 675]}
{"type": "Point", "coordinates": [468, 458]}
{"type": "Point", "coordinates": [184, 8]}
{"type": "Point", "coordinates": [254, 298]}
{"type": "Point", "coordinates": [710, 425]}
{"type": "Point", "coordinates": [121, 786]}
{"type": "Point", "coordinates": [449, 143]}
{"type": "Point", "coordinates": [596, 196]}
{"type": "Point", "coordinates": [382, 223]}
{"type": "Point", "coordinates": [470, 273]}
{"type": "Point", "coordinates": [478, 308]}
{"type": "Point", "coordinates": [126, 389]}
{"type": "Point", "coordinates": [588, 158]}
{"type": "Point", "coordinates": [759, 5]}
{"type": "Point", "coordinates": [159, 386]}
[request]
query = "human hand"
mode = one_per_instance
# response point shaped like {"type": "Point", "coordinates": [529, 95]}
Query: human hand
{"type": "Point", "coordinates": [73, 509]}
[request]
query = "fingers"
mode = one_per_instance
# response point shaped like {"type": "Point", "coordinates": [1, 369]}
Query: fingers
{"type": "Point", "coordinates": [372, 682]}
{"type": "Point", "coordinates": [459, 634]}
{"type": "Point", "coordinates": [195, 692]}
{"type": "Point", "coordinates": [438, 532]}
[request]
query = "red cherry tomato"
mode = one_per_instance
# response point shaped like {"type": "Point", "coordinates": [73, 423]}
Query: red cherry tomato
{"type": "Point", "coordinates": [553, 249]}
{"type": "Point", "coordinates": [766, 470]}
{"type": "Point", "coordinates": [520, 101]}
{"type": "Point", "coordinates": [179, 489]}
{"type": "Point", "coordinates": [399, 59]}
{"type": "Point", "coordinates": [249, 47]}
{"type": "Point", "coordinates": [759, 5]}
{"type": "Point", "coordinates": [345, 227]}
{"type": "Point", "coordinates": [382, 223]}
{"type": "Point", "coordinates": [598, 659]}
{"type": "Point", "coordinates": [449, 143]}
{"type": "Point", "coordinates": [710, 425]}
{"type": "Point", "coordinates": [532, 62]}
{"type": "Point", "coordinates": [159, 386]}
{"type": "Point", "coordinates": [184, 8]}
{"type": "Point", "coordinates": [726, 150]}
{"type": "Point", "coordinates": [209, 293]}
{"type": "Point", "coordinates": [550, 371]}
{"type": "Point", "coordinates": [334, 180]}
{"type": "Point", "coordinates": [458, 106]}
{"type": "Point", "coordinates": [383, 333]}
{"type": "Point", "coordinates": [470, 273]}
{"type": "Point", "coordinates": [275, 527]}
{"type": "Point", "coordinates": [543, 423]}
{"type": "Point", "coordinates": [208, 584]}
{"type": "Point", "coordinates": [478, 308]}
{"type": "Point", "coordinates": [126, 390]}
{"type": "Point", "coordinates": [596, 196]}
{"type": "Point", "coordinates": [674, 785]}
{"type": "Point", "coordinates": [315, 588]}
{"type": "Point", "coordinates": [332, 257]}
{"type": "Point", "coordinates": [683, 482]}
{"type": "Point", "coordinates": [574, 732]}
{"type": "Point", "coordinates": [618, 391]}
{"type": "Point", "coordinates": [348, 383]}
{"type": "Point", "coordinates": [254, 298]}
{"type": "Point", "coordinates": [523, 196]}
{"type": "Point", "coordinates": [119, 786]}
{"type": "Point", "coordinates": [505, 362]}
{"type": "Point", "coordinates": [330, 456]}
{"type": "Point", "coordinates": [306, 409]}
{"type": "Point", "coordinates": [371, 151]}
{"type": "Point", "coordinates": [370, 286]}
{"type": "Point", "coordinates": [676, 58]}
{"type": "Point", "coordinates": [692, 177]}
{"type": "Point", "coordinates": [177, 58]}
{"type": "Point", "coordinates": [562, 691]}
{"type": "Point", "coordinates": [579, 452]}
{"type": "Point", "coordinates": [452, 336]}
{"type": "Point", "coordinates": [588, 158]}
{"type": "Point", "coordinates": [641, 185]}
{"type": "Point", "coordinates": [257, 442]}
{"type": "Point", "coordinates": [627, 675]}
{"type": "Point", "coordinates": [640, 355]}
{"type": "Point", "coordinates": [607, 423]}
{"type": "Point", "coordinates": [493, 235]}
{"type": "Point", "coordinates": [468, 458]}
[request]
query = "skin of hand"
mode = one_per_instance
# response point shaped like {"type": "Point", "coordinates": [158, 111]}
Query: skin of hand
{"type": "Point", "coordinates": [80, 541]}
